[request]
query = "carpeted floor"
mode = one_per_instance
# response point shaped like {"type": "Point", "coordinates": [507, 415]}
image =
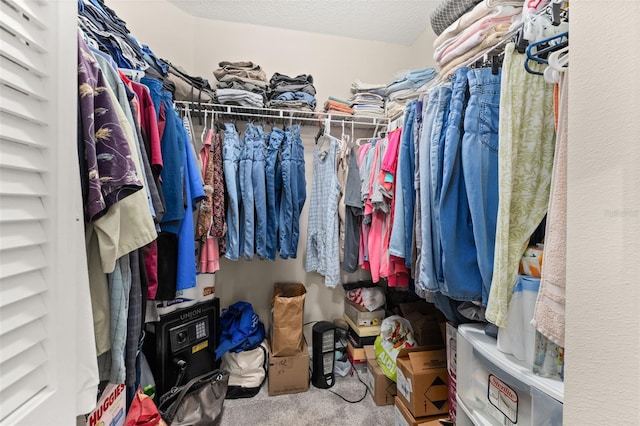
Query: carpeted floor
{"type": "Point", "coordinates": [314, 407]}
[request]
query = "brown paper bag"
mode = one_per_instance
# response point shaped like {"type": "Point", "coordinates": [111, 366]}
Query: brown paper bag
{"type": "Point", "coordinates": [287, 316]}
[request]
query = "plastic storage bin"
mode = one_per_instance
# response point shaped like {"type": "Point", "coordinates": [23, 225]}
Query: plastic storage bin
{"type": "Point", "coordinates": [496, 389]}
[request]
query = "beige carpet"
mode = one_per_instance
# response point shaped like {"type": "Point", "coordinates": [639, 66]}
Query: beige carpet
{"type": "Point", "coordinates": [314, 407]}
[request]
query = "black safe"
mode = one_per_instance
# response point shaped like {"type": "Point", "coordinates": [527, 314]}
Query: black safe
{"type": "Point", "coordinates": [185, 339]}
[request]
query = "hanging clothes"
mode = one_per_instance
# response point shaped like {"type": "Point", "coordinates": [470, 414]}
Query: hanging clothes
{"type": "Point", "coordinates": [231, 157]}
{"type": "Point", "coordinates": [527, 141]}
{"type": "Point", "coordinates": [353, 214]}
{"type": "Point", "coordinates": [462, 279]}
{"type": "Point", "coordinates": [273, 179]}
{"type": "Point", "coordinates": [322, 240]}
{"type": "Point", "coordinates": [209, 261]}
{"type": "Point", "coordinates": [549, 314]}
{"type": "Point", "coordinates": [480, 166]}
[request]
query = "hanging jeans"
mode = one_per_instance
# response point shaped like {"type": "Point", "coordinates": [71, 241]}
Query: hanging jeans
{"type": "Point", "coordinates": [480, 166]}
{"type": "Point", "coordinates": [438, 131]}
{"type": "Point", "coordinates": [294, 192]}
{"type": "Point", "coordinates": [462, 280]}
{"type": "Point", "coordinates": [299, 188]}
{"type": "Point", "coordinates": [231, 162]}
{"type": "Point", "coordinates": [273, 173]}
{"type": "Point", "coordinates": [427, 279]}
{"type": "Point", "coordinates": [286, 199]}
{"type": "Point", "coordinates": [258, 179]}
{"type": "Point", "coordinates": [247, 216]}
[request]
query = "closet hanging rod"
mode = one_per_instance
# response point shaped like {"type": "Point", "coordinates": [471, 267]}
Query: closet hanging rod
{"type": "Point", "coordinates": [282, 114]}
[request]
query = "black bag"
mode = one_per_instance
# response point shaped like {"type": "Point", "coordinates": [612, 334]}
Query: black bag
{"type": "Point", "coordinates": [198, 403]}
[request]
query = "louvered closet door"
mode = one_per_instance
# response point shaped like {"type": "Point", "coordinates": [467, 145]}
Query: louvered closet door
{"type": "Point", "coordinates": [31, 127]}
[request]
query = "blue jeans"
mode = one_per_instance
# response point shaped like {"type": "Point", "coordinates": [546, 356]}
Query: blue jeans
{"type": "Point", "coordinates": [231, 161]}
{"type": "Point", "coordinates": [273, 174]}
{"type": "Point", "coordinates": [298, 188]}
{"type": "Point", "coordinates": [247, 215]}
{"type": "Point", "coordinates": [462, 280]}
{"type": "Point", "coordinates": [400, 243]}
{"type": "Point", "coordinates": [480, 166]}
{"type": "Point", "coordinates": [285, 228]}
{"type": "Point", "coordinates": [258, 179]}
{"type": "Point", "coordinates": [437, 154]}
{"type": "Point", "coordinates": [427, 273]}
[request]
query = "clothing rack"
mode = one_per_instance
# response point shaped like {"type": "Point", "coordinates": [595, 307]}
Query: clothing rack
{"type": "Point", "coordinates": [293, 116]}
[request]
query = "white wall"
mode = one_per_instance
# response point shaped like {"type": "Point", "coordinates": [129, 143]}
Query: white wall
{"type": "Point", "coordinates": [602, 375]}
{"type": "Point", "coordinates": [167, 30]}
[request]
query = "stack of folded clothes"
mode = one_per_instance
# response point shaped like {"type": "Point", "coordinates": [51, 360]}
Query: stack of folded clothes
{"type": "Point", "coordinates": [405, 86]}
{"type": "Point", "coordinates": [476, 31]}
{"type": "Point", "coordinates": [337, 106]}
{"type": "Point", "coordinates": [241, 83]}
{"type": "Point", "coordinates": [292, 92]}
{"type": "Point", "coordinates": [367, 104]}
{"type": "Point", "coordinates": [368, 99]}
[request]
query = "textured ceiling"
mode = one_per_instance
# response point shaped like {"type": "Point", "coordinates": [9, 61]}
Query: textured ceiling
{"type": "Point", "coordinates": [393, 21]}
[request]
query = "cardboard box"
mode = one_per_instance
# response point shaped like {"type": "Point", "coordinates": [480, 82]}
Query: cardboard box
{"type": "Point", "coordinates": [425, 320]}
{"type": "Point", "coordinates": [403, 417]}
{"type": "Point", "coordinates": [423, 380]}
{"type": "Point", "coordinates": [361, 316]}
{"type": "Point", "coordinates": [373, 330]}
{"type": "Point", "coordinates": [289, 374]}
{"type": "Point", "coordinates": [382, 389]}
{"type": "Point", "coordinates": [356, 354]}
{"type": "Point", "coordinates": [111, 407]}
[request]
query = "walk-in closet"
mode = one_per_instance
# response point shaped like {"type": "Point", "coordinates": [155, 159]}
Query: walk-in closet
{"type": "Point", "coordinates": [252, 212]}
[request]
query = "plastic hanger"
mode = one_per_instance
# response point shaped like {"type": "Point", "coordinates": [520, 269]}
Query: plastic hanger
{"type": "Point", "coordinates": [559, 59]}
{"type": "Point", "coordinates": [538, 51]}
{"type": "Point", "coordinates": [204, 129]}
{"type": "Point", "coordinates": [558, 63]}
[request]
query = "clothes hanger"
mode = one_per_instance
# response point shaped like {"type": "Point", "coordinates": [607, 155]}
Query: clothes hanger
{"type": "Point", "coordinates": [558, 63]}
{"type": "Point", "coordinates": [204, 128]}
{"type": "Point", "coordinates": [538, 51]}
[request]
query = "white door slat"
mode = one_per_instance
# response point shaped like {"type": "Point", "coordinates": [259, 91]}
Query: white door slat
{"type": "Point", "coordinates": [21, 261]}
{"type": "Point", "coordinates": [22, 157]}
{"type": "Point", "coordinates": [36, 15]}
{"type": "Point", "coordinates": [22, 131]}
{"type": "Point", "coordinates": [28, 387]}
{"type": "Point", "coordinates": [20, 209]}
{"type": "Point", "coordinates": [21, 234]}
{"type": "Point", "coordinates": [21, 105]}
{"type": "Point", "coordinates": [18, 341]}
{"type": "Point", "coordinates": [21, 313]}
{"type": "Point", "coordinates": [18, 182]}
{"type": "Point", "coordinates": [16, 24]}
{"type": "Point", "coordinates": [19, 287]}
{"type": "Point", "coordinates": [14, 49]}
{"type": "Point", "coordinates": [19, 78]}
{"type": "Point", "coordinates": [17, 367]}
